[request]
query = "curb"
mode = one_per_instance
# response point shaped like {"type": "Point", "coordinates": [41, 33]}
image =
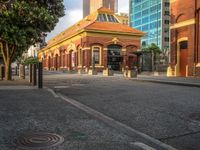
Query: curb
{"type": "Point", "coordinates": [117, 125]}
{"type": "Point", "coordinates": [168, 82]}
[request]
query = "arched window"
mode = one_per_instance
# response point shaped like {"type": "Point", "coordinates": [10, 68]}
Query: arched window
{"type": "Point", "coordinates": [183, 45]}
{"type": "Point", "coordinates": [96, 54]}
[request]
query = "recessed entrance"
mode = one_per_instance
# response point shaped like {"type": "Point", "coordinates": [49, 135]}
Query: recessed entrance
{"type": "Point", "coordinates": [115, 58]}
{"type": "Point", "coordinates": [183, 57]}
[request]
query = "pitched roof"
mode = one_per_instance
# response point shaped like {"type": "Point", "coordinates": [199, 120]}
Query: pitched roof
{"type": "Point", "coordinates": [90, 22]}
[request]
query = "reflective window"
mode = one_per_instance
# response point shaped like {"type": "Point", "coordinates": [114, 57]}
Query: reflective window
{"type": "Point", "coordinates": [106, 18]}
{"type": "Point", "coordinates": [96, 55]}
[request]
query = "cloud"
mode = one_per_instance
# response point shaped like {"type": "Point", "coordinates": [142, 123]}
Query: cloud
{"type": "Point", "coordinates": [71, 17]}
{"type": "Point", "coordinates": [73, 13]}
{"type": "Point", "coordinates": [123, 6]}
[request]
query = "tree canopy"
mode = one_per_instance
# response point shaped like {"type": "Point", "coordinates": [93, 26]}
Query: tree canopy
{"type": "Point", "coordinates": [152, 48]}
{"type": "Point", "coordinates": [23, 22]}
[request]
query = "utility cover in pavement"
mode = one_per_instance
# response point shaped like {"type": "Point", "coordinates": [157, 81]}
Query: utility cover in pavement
{"type": "Point", "coordinates": [39, 140]}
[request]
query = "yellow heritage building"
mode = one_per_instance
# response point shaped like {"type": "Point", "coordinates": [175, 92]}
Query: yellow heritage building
{"type": "Point", "coordinates": [98, 39]}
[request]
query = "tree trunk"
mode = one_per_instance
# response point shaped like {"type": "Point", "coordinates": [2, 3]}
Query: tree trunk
{"type": "Point", "coordinates": [8, 52]}
{"type": "Point", "coordinates": [8, 72]}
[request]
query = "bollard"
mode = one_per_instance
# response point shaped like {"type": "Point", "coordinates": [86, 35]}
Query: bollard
{"type": "Point", "coordinates": [16, 70]}
{"type": "Point", "coordinates": [30, 73]}
{"type": "Point", "coordinates": [34, 74]}
{"type": "Point", "coordinates": [1, 72]}
{"type": "Point", "coordinates": [40, 75]}
{"type": "Point", "coordinates": [22, 71]}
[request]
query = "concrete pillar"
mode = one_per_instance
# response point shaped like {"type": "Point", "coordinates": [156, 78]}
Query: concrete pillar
{"type": "Point", "coordinates": [22, 71]}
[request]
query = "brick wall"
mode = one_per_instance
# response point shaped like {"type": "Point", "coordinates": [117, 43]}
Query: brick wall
{"type": "Point", "coordinates": [181, 11]}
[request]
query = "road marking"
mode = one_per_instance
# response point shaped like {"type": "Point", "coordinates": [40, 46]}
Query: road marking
{"type": "Point", "coordinates": [78, 84]}
{"type": "Point", "coordinates": [61, 87]}
{"type": "Point", "coordinates": [53, 93]}
{"type": "Point", "coordinates": [115, 124]}
{"type": "Point", "coordinates": [143, 146]}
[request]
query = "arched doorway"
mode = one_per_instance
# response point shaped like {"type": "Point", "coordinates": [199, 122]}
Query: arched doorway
{"type": "Point", "coordinates": [56, 62]}
{"type": "Point", "coordinates": [115, 59]}
{"type": "Point", "coordinates": [72, 60]}
{"type": "Point", "coordinates": [49, 62]}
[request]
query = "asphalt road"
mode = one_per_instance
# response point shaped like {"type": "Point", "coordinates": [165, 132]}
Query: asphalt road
{"type": "Point", "coordinates": [33, 111]}
{"type": "Point", "coordinates": [168, 113]}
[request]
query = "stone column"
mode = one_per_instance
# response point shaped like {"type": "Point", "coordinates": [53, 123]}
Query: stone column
{"type": "Point", "coordinates": [22, 72]}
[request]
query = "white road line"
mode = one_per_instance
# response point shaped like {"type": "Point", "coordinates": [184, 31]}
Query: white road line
{"type": "Point", "coordinates": [61, 87]}
{"type": "Point", "coordinates": [53, 93]}
{"type": "Point", "coordinates": [143, 146]}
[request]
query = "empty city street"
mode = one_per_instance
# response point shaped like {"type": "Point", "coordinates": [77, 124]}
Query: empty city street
{"type": "Point", "coordinates": [168, 113]}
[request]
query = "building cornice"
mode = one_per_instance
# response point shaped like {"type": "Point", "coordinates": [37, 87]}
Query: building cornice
{"type": "Point", "coordinates": [183, 24]}
{"type": "Point", "coordinates": [90, 31]}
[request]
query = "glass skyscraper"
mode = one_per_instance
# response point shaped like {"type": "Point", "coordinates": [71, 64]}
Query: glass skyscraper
{"type": "Point", "coordinates": [151, 17]}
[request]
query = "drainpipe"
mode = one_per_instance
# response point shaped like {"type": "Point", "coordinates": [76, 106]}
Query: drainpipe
{"type": "Point", "coordinates": [197, 32]}
{"type": "Point", "coordinates": [195, 36]}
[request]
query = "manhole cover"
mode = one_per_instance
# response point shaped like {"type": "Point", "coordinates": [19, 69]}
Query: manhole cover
{"type": "Point", "coordinates": [39, 140]}
{"type": "Point", "coordinates": [195, 116]}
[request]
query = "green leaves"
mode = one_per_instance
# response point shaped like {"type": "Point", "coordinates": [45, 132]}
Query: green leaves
{"type": "Point", "coordinates": [30, 60]}
{"type": "Point", "coordinates": [152, 48]}
{"type": "Point", "coordinates": [23, 21]}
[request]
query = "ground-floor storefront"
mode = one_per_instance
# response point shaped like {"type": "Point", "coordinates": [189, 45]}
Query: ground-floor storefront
{"type": "Point", "coordinates": [114, 57]}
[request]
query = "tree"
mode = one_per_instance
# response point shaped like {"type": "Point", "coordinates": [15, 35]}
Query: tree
{"type": "Point", "coordinates": [154, 50]}
{"type": "Point", "coordinates": [22, 23]}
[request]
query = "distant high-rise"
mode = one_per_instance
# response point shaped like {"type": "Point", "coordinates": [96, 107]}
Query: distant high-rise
{"type": "Point", "coordinates": [86, 7]}
{"type": "Point", "coordinates": [153, 18]}
{"type": "Point", "coordinates": [90, 6]}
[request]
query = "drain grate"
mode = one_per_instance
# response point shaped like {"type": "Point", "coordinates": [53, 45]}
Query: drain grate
{"type": "Point", "coordinates": [39, 140]}
{"type": "Point", "coordinates": [195, 116]}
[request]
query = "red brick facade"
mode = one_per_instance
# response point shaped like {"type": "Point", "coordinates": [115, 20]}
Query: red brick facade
{"type": "Point", "coordinates": [109, 44]}
{"type": "Point", "coordinates": [61, 59]}
{"type": "Point", "coordinates": [185, 58]}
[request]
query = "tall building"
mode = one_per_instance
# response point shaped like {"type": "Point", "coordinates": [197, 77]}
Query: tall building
{"type": "Point", "coordinates": [185, 41]}
{"type": "Point", "coordinates": [153, 18]}
{"type": "Point", "coordinates": [86, 7]}
{"type": "Point", "coordinates": [90, 6]}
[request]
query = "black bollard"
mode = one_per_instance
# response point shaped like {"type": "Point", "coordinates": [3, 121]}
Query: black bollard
{"type": "Point", "coordinates": [16, 70]}
{"type": "Point", "coordinates": [34, 74]}
{"type": "Point", "coordinates": [30, 73]}
{"type": "Point", "coordinates": [1, 72]}
{"type": "Point", "coordinates": [40, 75]}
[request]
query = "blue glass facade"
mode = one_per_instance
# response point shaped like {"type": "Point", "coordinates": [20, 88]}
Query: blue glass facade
{"type": "Point", "coordinates": [146, 15]}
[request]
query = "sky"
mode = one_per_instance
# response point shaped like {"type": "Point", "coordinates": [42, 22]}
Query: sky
{"type": "Point", "coordinates": [73, 13]}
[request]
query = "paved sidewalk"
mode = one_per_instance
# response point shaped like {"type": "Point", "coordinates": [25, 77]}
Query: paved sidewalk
{"type": "Point", "coordinates": [33, 111]}
{"type": "Point", "coordinates": [15, 82]}
{"type": "Point", "coordinates": [190, 81]}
